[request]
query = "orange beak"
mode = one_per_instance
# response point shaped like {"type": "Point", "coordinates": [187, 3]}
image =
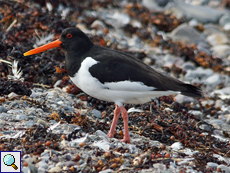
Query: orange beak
{"type": "Point", "coordinates": [43, 48]}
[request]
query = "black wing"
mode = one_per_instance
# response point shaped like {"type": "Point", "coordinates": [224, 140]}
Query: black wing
{"type": "Point", "coordinates": [119, 66]}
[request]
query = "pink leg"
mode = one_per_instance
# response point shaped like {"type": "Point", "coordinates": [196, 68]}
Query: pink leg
{"type": "Point", "coordinates": [114, 123]}
{"type": "Point", "coordinates": [126, 127]}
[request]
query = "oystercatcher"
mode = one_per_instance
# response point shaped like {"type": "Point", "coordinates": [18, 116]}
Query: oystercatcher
{"type": "Point", "coordinates": [112, 75]}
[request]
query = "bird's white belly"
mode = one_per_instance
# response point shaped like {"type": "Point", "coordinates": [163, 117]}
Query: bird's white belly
{"type": "Point", "coordinates": [118, 92]}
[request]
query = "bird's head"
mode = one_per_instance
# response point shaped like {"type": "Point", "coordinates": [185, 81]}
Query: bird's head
{"type": "Point", "coordinates": [72, 39]}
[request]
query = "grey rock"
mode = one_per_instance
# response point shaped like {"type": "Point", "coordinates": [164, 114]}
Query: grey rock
{"type": "Point", "coordinates": [127, 155]}
{"type": "Point", "coordinates": [224, 19]}
{"type": "Point", "coordinates": [227, 27]}
{"type": "Point", "coordinates": [100, 133]}
{"type": "Point", "coordinates": [70, 163]}
{"type": "Point", "coordinates": [217, 39]}
{"type": "Point", "coordinates": [182, 98]}
{"type": "Point", "coordinates": [55, 158]}
{"type": "Point", "coordinates": [3, 109]}
{"type": "Point", "coordinates": [33, 169]}
{"type": "Point", "coordinates": [42, 164]}
{"type": "Point", "coordinates": [224, 168]}
{"type": "Point", "coordinates": [154, 5]}
{"type": "Point", "coordinates": [188, 66]}
{"type": "Point", "coordinates": [5, 116]}
{"type": "Point", "coordinates": [68, 157]}
{"type": "Point", "coordinates": [97, 113]}
{"type": "Point", "coordinates": [15, 111]}
{"type": "Point", "coordinates": [219, 103]}
{"type": "Point", "coordinates": [216, 123]}
{"type": "Point", "coordinates": [212, 165]}
{"type": "Point", "coordinates": [14, 105]}
{"type": "Point", "coordinates": [198, 114]}
{"type": "Point", "coordinates": [198, 73]}
{"type": "Point", "coordinates": [107, 171]}
{"type": "Point", "coordinates": [203, 14]}
{"type": "Point", "coordinates": [41, 170]}
{"type": "Point", "coordinates": [55, 169]}
{"type": "Point", "coordinates": [159, 166]}
{"type": "Point", "coordinates": [26, 169]}
{"type": "Point", "coordinates": [21, 117]}
{"type": "Point", "coordinates": [222, 50]}
{"type": "Point", "coordinates": [57, 83]}
{"type": "Point", "coordinates": [187, 35]}
{"type": "Point", "coordinates": [116, 18]}
{"type": "Point", "coordinates": [205, 127]}
{"type": "Point", "coordinates": [213, 80]}
{"type": "Point", "coordinates": [29, 124]}
{"type": "Point", "coordinates": [45, 158]}
{"type": "Point", "coordinates": [26, 156]}
{"type": "Point", "coordinates": [50, 166]}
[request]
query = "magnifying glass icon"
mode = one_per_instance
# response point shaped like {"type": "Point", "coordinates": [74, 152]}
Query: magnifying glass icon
{"type": "Point", "coordinates": [9, 160]}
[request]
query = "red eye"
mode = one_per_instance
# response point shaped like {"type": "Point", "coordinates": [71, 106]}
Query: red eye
{"type": "Point", "coordinates": [69, 35]}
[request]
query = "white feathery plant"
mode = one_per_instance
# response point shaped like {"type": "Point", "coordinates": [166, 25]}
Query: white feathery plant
{"type": "Point", "coordinates": [17, 73]}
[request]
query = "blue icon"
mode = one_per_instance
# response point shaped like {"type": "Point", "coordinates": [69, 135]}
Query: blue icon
{"type": "Point", "coordinates": [9, 160]}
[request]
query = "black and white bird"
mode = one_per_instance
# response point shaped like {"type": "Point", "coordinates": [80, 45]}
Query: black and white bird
{"type": "Point", "coordinates": [113, 76]}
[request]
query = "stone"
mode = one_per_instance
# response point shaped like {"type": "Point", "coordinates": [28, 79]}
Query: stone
{"type": "Point", "coordinates": [55, 169]}
{"type": "Point", "coordinates": [96, 113]}
{"type": "Point", "coordinates": [187, 35]}
{"type": "Point", "coordinates": [203, 14]}
{"type": "Point", "coordinates": [21, 117]}
{"type": "Point", "coordinates": [213, 80]}
{"type": "Point", "coordinates": [224, 168]}
{"type": "Point", "coordinates": [217, 39]}
{"type": "Point", "coordinates": [3, 109]}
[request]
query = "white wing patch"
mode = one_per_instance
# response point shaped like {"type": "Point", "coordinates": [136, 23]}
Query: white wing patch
{"type": "Point", "coordinates": [128, 86]}
{"type": "Point", "coordinates": [84, 80]}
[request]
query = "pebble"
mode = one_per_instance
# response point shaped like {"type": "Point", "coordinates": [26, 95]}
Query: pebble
{"type": "Point", "coordinates": [212, 165]}
{"type": "Point", "coordinates": [70, 163]}
{"type": "Point", "coordinates": [203, 14]}
{"type": "Point", "coordinates": [224, 168]}
{"type": "Point", "coordinates": [198, 114]}
{"type": "Point", "coordinates": [55, 158]}
{"type": "Point", "coordinates": [21, 117]}
{"type": "Point", "coordinates": [159, 167]}
{"type": "Point", "coordinates": [42, 164]}
{"type": "Point", "coordinates": [100, 133]}
{"type": "Point", "coordinates": [3, 109]}
{"type": "Point", "coordinates": [205, 127]}
{"type": "Point", "coordinates": [26, 169]}
{"type": "Point", "coordinates": [187, 35]}
{"type": "Point", "coordinates": [198, 73]}
{"type": "Point", "coordinates": [221, 51]}
{"type": "Point", "coordinates": [41, 170]}
{"type": "Point", "coordinates": [107, 171]}
{"type": "Point", "coordinates": [55, 169]}
{"type": "Point", "coordinates": [217, 39]}
{"type": "Point", "coordinates": [225, 19]}
{"type": "Point", "coordinates": [213, 80]}
{"type": "Point", "coordinates": [97, 113]}
{"type": "Point", "coordinates": [68, 157]}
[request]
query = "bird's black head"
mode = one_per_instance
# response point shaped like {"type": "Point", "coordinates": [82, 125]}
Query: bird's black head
{"type": "Point", "coordinates": [73, 39]}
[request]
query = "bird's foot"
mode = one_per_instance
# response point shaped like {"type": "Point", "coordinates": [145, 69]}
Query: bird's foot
{"type": "Point", "coordinates": [110, 135]}
{"type": "Point", "coordinates": [126, 140]}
